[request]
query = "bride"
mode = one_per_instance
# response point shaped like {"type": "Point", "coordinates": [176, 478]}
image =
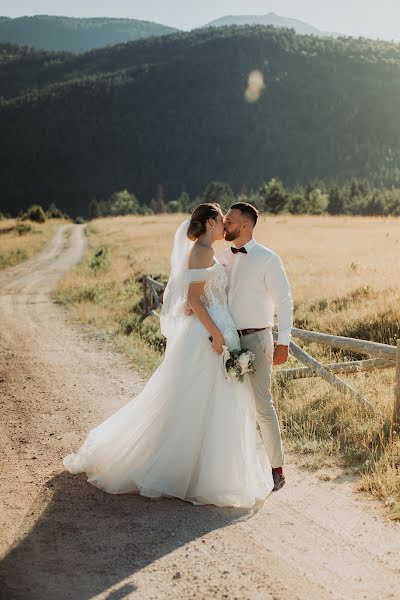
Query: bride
{"type": "Point", "coordinates": [191, 433]}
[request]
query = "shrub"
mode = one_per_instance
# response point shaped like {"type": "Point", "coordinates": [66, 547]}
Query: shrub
{"type": "Point", "coordinates": [22, 228]}
{"type": "Point", "coordinates": [100, 260]}
{"type": "Point", "coordinates": [34, 213]}
{"type": "Point", "coordinates": [123, 203]}
{"type": "Point", "coordinates": [55, 213]}
{"type": "Point", "coordinates": [173, 206]}
{"type": "Point", "coordinates": [149, 332]}
{"type": "Point", "coordinates": [219, 191]}
{"type": "Point", "coordinates": [297, 204]}
{"type": "Point", "coordinates": [87, 293]}
{"type": "Point", "coordinates": [129, 325]}
{"type": "Point", "coordinates": [274, 195]}
{"type": "Point", "coordinates": [145, 210]}
{"type": "Point", "coordinates": [184, 201]}
{"type": "Point", "coordinates": [336, 201]}
{"type": "Point", "coordinates": [317, 202]}
{"type": "Point", "coordinates": [255, 199]}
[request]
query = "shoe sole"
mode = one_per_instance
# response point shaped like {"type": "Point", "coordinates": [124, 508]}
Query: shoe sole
{"type": "Point", "coordinates": [279, 486]}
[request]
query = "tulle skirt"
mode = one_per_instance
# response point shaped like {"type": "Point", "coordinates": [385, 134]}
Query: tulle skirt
{"type": "Point", "coordinates": [190, 434]}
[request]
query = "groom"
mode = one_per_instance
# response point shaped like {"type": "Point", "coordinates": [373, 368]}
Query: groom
{"type": "Point", "coordinates": [257, 286]}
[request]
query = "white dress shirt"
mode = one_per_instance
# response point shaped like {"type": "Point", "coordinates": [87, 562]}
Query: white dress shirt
{"type": "Point", "coordinates": [257, 285]}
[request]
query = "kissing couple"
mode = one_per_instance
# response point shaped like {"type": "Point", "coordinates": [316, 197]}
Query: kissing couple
{"type": "Point", "coordinates": [191, 432]}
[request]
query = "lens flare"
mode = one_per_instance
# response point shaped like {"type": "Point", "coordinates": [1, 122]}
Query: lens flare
{"type": "Point", "coordinates": [255, 86]}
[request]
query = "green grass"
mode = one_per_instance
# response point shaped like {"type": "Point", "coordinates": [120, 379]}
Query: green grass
{"type": "Point", "coordinates": [10, 258]}
{"type": "Point", "coordinates": [20, 241]}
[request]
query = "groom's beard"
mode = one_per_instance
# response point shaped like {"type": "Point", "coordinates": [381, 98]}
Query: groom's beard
{"type": "Point", "coordinates": [230, 236]}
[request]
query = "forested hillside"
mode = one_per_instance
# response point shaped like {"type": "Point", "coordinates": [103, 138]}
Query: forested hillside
{"type": "Point", "coordinates": [171, 112]}
{"type": "Point", "coordinates": [76, 35]}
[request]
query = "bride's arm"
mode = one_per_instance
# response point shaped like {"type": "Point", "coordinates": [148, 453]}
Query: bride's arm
{"type": "Point", "coordinates": [200, 259]}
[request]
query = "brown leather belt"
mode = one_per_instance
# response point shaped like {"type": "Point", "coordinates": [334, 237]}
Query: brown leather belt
{"type": "Point", "coordinates": [247, 331]}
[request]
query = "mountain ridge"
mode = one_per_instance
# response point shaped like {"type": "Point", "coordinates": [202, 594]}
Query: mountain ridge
{"type": "Point", "coordinates": [75, 34]}
{"type": "Point", "coordinates": [271, 18]}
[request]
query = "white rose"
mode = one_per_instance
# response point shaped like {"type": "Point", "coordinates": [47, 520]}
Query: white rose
{"type": "Point", "coordinates": [244, 361]}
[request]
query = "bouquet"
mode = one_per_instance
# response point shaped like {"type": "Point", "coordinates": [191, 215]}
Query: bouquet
{"type": "Point", "coordinates": [238, 363]}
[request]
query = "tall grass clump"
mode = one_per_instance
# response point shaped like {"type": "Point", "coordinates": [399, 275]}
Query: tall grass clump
{"type": "Point", "coordinates": [23, 228]}
{"type": "Point", "coordinates": [10, 258]}
{"type": "Point", "coordinates": [100, 260]}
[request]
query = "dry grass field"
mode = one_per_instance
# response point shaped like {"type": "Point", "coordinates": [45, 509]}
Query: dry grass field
{"type": "Point", "coordinates": [345, 278]}
{"type": "Point", "coordinates": [20, 244]}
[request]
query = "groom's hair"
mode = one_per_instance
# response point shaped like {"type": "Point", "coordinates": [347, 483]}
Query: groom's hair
{"type": "Point", "coordinates": [248, 210]}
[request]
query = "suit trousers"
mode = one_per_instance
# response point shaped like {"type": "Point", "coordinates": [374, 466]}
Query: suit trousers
{"type": "Point", "coordinates": [262, 345]}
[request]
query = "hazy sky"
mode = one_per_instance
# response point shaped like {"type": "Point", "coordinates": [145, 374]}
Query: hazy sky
{"type": "Point", "coordinates": [372, 18]}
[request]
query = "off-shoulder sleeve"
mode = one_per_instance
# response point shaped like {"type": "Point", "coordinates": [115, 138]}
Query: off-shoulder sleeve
{"type": "Point", "coordinates": [196, 275]}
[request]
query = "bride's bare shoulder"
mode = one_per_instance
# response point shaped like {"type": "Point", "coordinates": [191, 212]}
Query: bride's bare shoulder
{"type": "Point", "coordinates": [201, 257]}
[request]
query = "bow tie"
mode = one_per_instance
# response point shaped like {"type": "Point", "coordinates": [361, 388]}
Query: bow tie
{"type": "Point", "coordinates": [236, 250]}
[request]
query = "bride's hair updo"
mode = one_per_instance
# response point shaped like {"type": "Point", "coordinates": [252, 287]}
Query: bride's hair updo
{"type": "Point", "coordinates": [199, 218]}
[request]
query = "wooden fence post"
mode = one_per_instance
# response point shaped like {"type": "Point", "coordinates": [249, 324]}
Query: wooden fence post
{"type": "Point", "coordinates": [316, 366]}
{"type": "Point", "coordinates": [396, 407]}
{"type": "Point", "coordinates": [145, 304]}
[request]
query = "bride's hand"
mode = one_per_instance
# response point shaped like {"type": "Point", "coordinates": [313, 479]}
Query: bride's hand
{"type": "Point", "coordinates": [187, 310]}
{"type": "Point", "coordinates": [217, 342]}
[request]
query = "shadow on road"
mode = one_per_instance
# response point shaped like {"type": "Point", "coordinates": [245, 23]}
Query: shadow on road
{"type": "Point", "coordinates": [78, 541]}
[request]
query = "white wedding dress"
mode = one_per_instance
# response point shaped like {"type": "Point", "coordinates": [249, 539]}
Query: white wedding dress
{"type": "Point", "coordinates": [191, 433]}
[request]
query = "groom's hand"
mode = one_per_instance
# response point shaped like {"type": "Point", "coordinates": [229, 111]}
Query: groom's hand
{"type": "Point", "coordinates": [281, 354]}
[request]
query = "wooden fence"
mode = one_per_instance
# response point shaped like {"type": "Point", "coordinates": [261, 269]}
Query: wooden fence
{"type": "Point", "coordinates": [383, 356]}
{"type": "Point", "coordinates": [152, 297]}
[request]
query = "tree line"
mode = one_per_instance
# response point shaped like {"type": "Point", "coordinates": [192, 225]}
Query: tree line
{"type": "Point", "coordinates": [357, 197]}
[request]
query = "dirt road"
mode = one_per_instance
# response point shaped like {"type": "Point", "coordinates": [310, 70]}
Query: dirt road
{"type": "Point", "coordinates": [61, 538]}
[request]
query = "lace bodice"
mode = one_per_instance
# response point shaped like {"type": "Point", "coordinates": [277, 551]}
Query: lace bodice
{"type": "Point", "coordinates": [214, 297]}
{"type": "Point", "coordinates": [215, 278]}
{"type": "Point", "coordinates": [214, 293]}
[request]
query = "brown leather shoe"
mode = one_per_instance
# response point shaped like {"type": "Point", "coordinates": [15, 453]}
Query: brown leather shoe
{"type": "Point", "coordinates": [279, 480]}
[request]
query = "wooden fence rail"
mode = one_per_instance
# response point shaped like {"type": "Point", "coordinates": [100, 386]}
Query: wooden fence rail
{"type": "Point", "coordinates": [384, 355]}
{"type": "Point", "coordinates": [354, 366]}
{"type": "Point", "coordinates": [354, 345]}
